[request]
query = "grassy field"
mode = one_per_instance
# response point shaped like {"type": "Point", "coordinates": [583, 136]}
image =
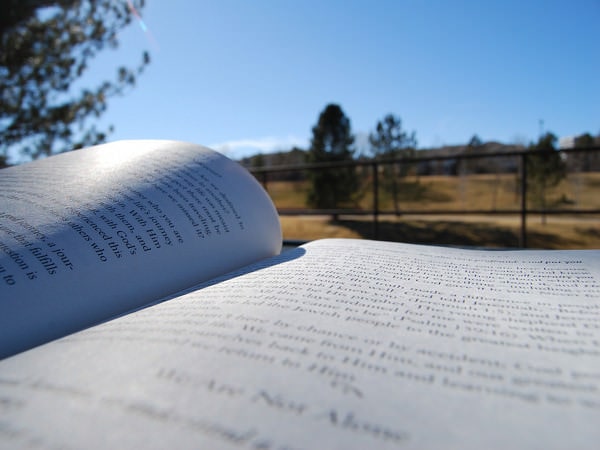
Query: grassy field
{"type": "Point", "coordinates": [454, 193]}
{"type": "Point", "coordinates": [476, 231]}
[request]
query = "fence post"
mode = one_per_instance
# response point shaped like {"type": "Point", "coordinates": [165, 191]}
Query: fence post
{"type": "Point", "coordinates": [264, 178]}
{"type": "Point", "coordinates": [375, 200]}
{"type": "Point", "coordinates": [523, 236]}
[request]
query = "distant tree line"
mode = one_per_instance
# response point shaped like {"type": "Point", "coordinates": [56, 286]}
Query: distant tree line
{"type": "Point", "coordinates": [333, 142]}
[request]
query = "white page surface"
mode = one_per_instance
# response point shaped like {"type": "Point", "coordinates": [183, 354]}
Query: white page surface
{"type": "Point", "coordinates": [340, 344]}
{"type": "Point", "coordinates": [93, 233]}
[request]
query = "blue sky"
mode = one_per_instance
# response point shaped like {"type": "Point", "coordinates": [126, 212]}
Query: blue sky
{"type": "Point", "coordinates": [250, 76]}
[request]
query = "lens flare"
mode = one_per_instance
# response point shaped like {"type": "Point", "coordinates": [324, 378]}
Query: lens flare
{"type": "Point", "coordinates": [142, 24]}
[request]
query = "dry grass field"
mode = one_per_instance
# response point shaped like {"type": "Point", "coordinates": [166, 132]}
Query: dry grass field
{"type": "Point", "coordinates": [473, 231]}
{"type": "Point", "coordinates": [455, 193]}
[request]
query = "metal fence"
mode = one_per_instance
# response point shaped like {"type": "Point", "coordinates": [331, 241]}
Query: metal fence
{"type": "Point", "coordinates": [587, 160]}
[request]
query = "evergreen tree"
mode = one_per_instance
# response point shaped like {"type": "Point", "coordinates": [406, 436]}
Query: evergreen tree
{"type": "Point", "coordinates": [545, 169]}
{"type": "Point", "coordinates": [332, 142]}
{"type": "Point", "coordinates": [389, 141]}
{"type": "Point", "coordinates": [585, 161]}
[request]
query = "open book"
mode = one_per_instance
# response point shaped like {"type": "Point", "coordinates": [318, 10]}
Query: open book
{"type": "Point", "coordinates": [196, 332]}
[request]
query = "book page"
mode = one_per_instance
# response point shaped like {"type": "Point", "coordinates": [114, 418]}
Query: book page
{"type": "Point", "coordinates": [336, 344]}
{"type": "Point", "coordinates": [93, 233]}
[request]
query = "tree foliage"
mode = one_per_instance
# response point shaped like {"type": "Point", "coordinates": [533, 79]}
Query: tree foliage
{"type": "Point", "coordinates": [545, 169]}
{"type": "Point", "coordinates": [469, 165]}
{"type": "Point", "coordinates": [390, 141]}
{"type": "Point", "coordinates": [475, 142]}
{"type": "Point", "coordinates": [585, 161]}
{"type": "Point", "coordinates": [585, 140]}
{"type": "Point", "coordinates": [332, 141]}
{"type": "Point", "coordinates": [46, 47]}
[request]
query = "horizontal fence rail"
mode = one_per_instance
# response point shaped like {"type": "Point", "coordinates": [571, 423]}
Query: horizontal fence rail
{"type": "Point", "coordinates": [375, 165]}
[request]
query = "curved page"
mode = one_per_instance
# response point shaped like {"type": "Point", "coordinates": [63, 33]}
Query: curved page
{"type": "Point", "coordinates": [94, 233]}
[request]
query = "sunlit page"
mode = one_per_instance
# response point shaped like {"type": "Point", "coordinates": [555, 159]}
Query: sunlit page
{"type": "Point", "coordinates": [337, 344]}
{"type": "Point", "coordinates": [93, 233]}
